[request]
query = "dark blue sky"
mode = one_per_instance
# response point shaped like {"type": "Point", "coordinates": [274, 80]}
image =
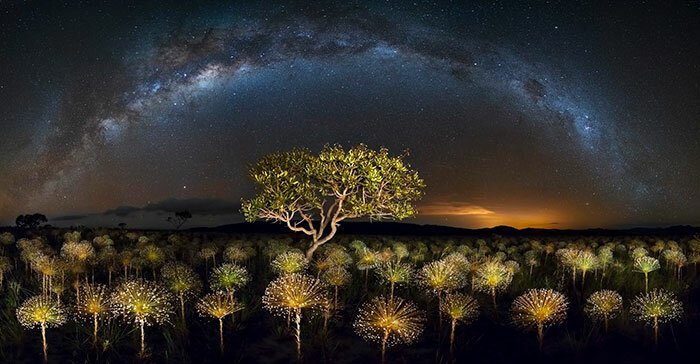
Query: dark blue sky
{"type": "Point", "coordinates": [550, 115]}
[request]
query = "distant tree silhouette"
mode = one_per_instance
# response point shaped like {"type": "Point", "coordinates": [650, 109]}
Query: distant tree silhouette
{"type": "Point", "coordinates": [179, 219]}
{"type": "Point", "coordinates": [30, 221]}
{"type": "Point", "coordinates": [122, 225]}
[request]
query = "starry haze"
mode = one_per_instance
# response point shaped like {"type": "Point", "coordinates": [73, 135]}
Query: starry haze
{"type": "Point", "coordinates": [556, 114]}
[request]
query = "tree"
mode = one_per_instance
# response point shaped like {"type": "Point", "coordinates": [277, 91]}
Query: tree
{"type": "Point", "coordinates": [122, 225]}
{"type": "Point", "coordinates": [312, 194]}
{"type": "Point", "coordinates": [30, 221]}
{"type": "Point", "coordinates": [179, 219]}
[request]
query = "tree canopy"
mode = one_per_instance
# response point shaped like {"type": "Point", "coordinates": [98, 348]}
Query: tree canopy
{"type": "Point", "coordinates": [312, 193]}
{"type": "Point", "coordinates": [30, 221]}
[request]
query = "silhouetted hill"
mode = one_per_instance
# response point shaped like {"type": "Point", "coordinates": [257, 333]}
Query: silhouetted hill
{"type": "Point", "coordinates": [397, 228]}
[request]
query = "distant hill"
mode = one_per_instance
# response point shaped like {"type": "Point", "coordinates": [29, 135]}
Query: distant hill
{"type": "Point", "coordinates": [397, 228]}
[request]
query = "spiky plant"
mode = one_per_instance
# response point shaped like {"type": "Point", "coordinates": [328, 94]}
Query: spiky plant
{"type": "Point", "coordinates": [459, 261]}
{"type": "Point", "coordinates": [181, 280]}
{"type": "Point", "coordinates": [218, 305]}
{"type": "Point", "coordinates": [336, 277]}
{"type": "Point", "coordinates": [676, 258]}
{"type": "Point", "coordinates": [394, 273]}
{"type": "Point", "coordinates": [532, 260]}
{"type": "Point", "coordinates": [144, 303]}
{"type": "Point", "coordinates": [367, 260]}
{"type": "Point", "coordinates": [237, 253]}
{"type": "Point", "coordinates": [492, 276]}
{"type": "Point", "coordinates": [95, 305]}
{"type": "Point", "coordinates": [207, 253]}
{"type": "Point", "coordinates": [228, 277]}
{"type": "Point", "coordinates": [440, 277]}
{"type": "Point", "coordinates": [389, 322]}
{"type": "Point", "coordinates": [77, 254]}
{"type": "Point", "coordinates": [5, 266]}
{"type": "Point", "coordinates": [292, 293]}
{"type": "Point", "coordinates": [585, 261]}
{"type": "Point", "coordinates": [539, 308]}
{"type": "Point", "coordinates": [41, 311]}
{"type": "Point", "coordinates": [603, 305]}
{"type": "Point", "coordinates": [153, 256]}
{"type": "Point", "coordinates": [646, 264]}
{"type": "Point", "coordinates": [458, 307]}
{"type": "Point", "coordinates": [656, 307]}
{"type": "Point", "coordinates": [290, 262]}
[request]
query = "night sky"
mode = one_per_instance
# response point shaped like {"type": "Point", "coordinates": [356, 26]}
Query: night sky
{"type": "Point", "coordinates": [555, 115]}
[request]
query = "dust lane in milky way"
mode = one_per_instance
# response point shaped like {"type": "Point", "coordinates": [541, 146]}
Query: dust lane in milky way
{"type": "Point", "coordinates": [514, 115]}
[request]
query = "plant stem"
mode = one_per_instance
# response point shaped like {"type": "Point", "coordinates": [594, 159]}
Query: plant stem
{"type": "Point", "coordinates": [297, 321]}
{"type": "Point", "coordinates": [221, 334]}
{"type": "Point", "coordinates": [43, 338]}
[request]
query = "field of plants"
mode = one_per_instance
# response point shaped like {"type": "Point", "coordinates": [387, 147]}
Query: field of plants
{"type": "Point", "coordinates": [153, 296]}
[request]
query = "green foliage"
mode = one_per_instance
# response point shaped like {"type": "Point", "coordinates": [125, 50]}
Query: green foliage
{"type": "Point", "coordinates": [312, 192]}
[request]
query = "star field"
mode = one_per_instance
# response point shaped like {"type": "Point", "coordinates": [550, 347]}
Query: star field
{"type": "Point", "coordinates": [543, 115]}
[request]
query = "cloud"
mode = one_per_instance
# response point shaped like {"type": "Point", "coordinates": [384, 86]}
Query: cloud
{"type": "Point", "coordinates": [68, 217]}
{"type": "Point", "coordinates": [197, 206]}
{"type": "Point", "coordinates": [453, 209]}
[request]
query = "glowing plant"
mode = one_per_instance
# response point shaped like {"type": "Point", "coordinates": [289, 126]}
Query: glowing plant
{"type": "Point", "coordinates": [77, 254]}
{"type": "Point", "coordinates": [395, 273]}
{"type": "Point", "coordinates": [677, 259]}
{"type": "Point", "coordinates": [237, 253]}
{"type": "Point", "coordinates": [389, 322]}
{"type": "Point", "coordinates": [228, 277]}
{"type": "Point", "coordinates": [182, 281]}
{"type": "Point", "coordinates": [290, 294]}
{"type": "Point", "coordinates": [367, 259]}
{"type": "Point", "coordinates": [531, 260]}
{"type": "Point", "coordinates": [539, 309]}
{"type": "Point", "coordinates": [440, 277]}
{"type": "Point", "coordinates": [153, 256]}
{"type": "Point", "coordinates": [603, 305]}
{"type": "Point", "coordinates": [459, 308]}
{"type": "Point", "coordinates": [459, 262]}
{"type": "Point", "coordinates": [143, 302]}
{"type": "Point", "coordinates": [646, 265]}
{"type": "Point", "coordinates": [568, 258]}
{"type": "Point", "coordinates": [218, 305]}
{"type": "Point", "coordinates": [656, 307]}
{"type": "Point", "coordinates": [207, 253]}
{"type": "Point", "coordinates": [95, 304]}
{"type": "Point", "coordinates": [336, 277]}
{"type": "Point", "coordinates": [290, 262]}
{"type": "Point", "coordinates": [5, 266]}
{"type": "Point", "coordinates": [492, 276]}
{"type": "Point", "coordinates": [43, 312]}
{"type": "Point", "coordinates": [584, 261]}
